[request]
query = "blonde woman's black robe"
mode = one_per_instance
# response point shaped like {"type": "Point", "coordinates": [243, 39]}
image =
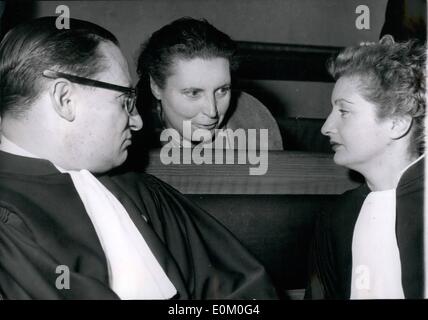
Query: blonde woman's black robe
{"type": "Point", "coordinates": [331, 258]}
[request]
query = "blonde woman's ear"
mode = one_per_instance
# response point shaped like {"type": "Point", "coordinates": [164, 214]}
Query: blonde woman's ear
{"type": "Point", "coordinates": [401, 126]}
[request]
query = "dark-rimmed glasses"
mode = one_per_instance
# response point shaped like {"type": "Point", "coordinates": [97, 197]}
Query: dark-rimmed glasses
{"type": "Point", "coordinates": [129, 93]}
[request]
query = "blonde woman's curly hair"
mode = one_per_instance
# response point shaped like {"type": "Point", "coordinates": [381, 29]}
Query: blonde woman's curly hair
{"type": "Point", "coordinates": [392, 75]}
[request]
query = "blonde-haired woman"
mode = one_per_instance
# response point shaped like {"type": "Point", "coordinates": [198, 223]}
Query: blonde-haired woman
{"type": "Point", "coordinates": [370, 245]}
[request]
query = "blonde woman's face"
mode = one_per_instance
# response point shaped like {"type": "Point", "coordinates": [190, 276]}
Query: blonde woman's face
{"type": "Point", "coordinates": [198, 90]}
{"type": "Point", "coordinates": [358, 138]}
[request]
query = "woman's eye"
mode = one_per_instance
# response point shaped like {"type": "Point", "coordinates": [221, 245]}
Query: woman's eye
{"type": "Point", "coordinates": [223, 91]}
{"type": "Point", "coordinates": [343, 112]}
{"type": "Point", "coordinates": [192, 93]}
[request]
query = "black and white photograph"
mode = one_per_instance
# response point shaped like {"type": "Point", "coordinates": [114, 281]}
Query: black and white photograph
{"type": "Point", "coordinates": [221, 150]}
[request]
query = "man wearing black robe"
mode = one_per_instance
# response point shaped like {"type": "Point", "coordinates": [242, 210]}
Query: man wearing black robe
{"type": "Point", "coordinates": [46, 234]}
{"type": "Point", "coordinates": [43, 224]}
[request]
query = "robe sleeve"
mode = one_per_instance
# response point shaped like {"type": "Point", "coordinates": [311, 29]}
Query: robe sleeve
{"type": "Point", "coordinates": [315, 289]}
{"type": "Point", "coordinates": [27, 271]}
{"type": "Point", "coordinates": [213, 262]}
{"type": "Point", "coordinates": [321, 277]}
{"type": "Point", "coordinates": [22, 262]}
{"type": "Point", "coordinates": [331, 253]}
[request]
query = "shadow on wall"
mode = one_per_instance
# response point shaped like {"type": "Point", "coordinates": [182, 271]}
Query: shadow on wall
{"type": "Point", "coordinates": [405, 20]}
{"type": "Point", "coordinates": [2, 4]}
{"type": "Point", "coordinates": [265, 95]}
{"type": "Point", "coordinates": [15, 12]}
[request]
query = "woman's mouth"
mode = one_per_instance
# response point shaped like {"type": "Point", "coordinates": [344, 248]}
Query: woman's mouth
{"type": "Point", "coordinates": [206, 126]}
{"type": "Point", "coordinates": [127, 142]}
{"type": "Point", "coordinates": [334, 145]}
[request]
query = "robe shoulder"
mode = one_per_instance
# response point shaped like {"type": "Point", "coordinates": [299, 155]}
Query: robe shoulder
{"type": "Point", "coordinates": [330, 250]}
{"type": "Point", "coordinates": [214, 264]}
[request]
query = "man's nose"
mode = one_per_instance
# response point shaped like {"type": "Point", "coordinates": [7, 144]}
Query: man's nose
{"type": "Point", "coordinates": [210, 107]}
{"type": "Point", "coordinates": [328, 126]}
{"type": "Point", "coordinates": [135, 122]}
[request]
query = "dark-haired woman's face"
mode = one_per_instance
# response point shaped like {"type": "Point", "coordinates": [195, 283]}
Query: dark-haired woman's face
{"type": "Point", "coordinates": [198, 90]}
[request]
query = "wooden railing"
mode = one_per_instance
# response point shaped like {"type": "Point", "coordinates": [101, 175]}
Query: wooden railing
{"type": "Point", "coordinates": [288, 173]}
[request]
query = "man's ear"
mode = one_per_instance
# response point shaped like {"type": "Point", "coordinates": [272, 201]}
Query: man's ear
{"type": "Point", "coordinates": [62, 99]}
{"type": "Point", "coordinates": [155, 89]}
{"type": "Point", "coordinates": [400, 126]}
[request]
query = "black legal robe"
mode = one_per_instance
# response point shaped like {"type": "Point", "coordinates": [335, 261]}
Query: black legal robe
{"type": "Point", "coordinates": [43, 225]}
{"type": "Point", "coordinates": [331, 258]}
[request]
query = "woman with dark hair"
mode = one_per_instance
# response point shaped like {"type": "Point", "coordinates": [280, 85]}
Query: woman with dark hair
{"type": "Point", "coordinates": [186, 67]}
{"type": "Point", "coordinates": [370, 245]}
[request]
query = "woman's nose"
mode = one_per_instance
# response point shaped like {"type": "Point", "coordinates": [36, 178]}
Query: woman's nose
{"type": "Point", "coordinates": [135, 122]}
{"type": "Point", "coordinates": [210, 108]}
{"type": "Point", "coordinates": [328, 126]}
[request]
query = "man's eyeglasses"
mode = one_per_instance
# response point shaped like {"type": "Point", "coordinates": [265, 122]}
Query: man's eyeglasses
{"type": "Point", "coordinates": [129, 93]}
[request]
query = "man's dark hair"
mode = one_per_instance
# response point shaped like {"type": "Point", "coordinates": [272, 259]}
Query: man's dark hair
{"type": "Point", "coordinates": [32, 47]}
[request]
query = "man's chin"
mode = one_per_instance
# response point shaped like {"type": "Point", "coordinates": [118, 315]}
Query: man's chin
{"type": "Point", "coordinates": [122, 158]}
{"type": "Point", "coordinates": [111, 164]}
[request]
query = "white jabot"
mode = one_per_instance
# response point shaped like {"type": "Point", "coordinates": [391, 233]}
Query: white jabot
{"type": "Point", "coordinates": [376, 265]}
{"type": "Point", "coordinates": [134, 272]}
